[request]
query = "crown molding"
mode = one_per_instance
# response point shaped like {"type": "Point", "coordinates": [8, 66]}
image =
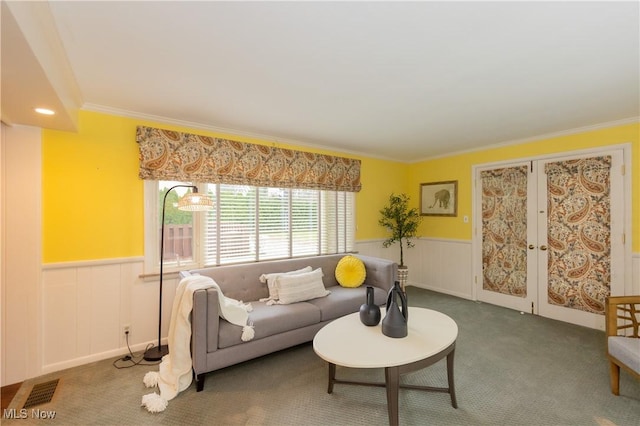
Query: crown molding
{"type": "Point", "coordinates": [224, 130]}
{"type": "Point", "coordinates": [276, 140]}
{"type": "Point", "coordinates": [600, 126]}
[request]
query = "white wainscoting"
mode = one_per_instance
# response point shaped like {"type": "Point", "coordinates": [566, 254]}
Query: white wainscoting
{"type": "Point", "coordinates": [442, 265]}
{"type": "Point", "coordinates": [87, 304]}
{"type": "Point", "coordinates": [374, 248]}
{"type": "Point", "coordinates": [445, 265]}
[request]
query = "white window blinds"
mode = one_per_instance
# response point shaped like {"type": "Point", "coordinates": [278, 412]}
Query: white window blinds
{"type": "Point", "coordinates": [251, 224]}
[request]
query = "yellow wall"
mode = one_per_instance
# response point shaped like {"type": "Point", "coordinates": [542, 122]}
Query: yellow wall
{"type": "Point", "coordinates": [92, 197]}
{"type": "Point", "coordinates": [93, 200]}
{"type": "Point", "coordinates": [458, 167]}
{"type": "Point", "coordinates": [379, 179]}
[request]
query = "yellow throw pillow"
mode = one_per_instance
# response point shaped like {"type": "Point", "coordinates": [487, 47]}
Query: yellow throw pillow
{"type": "Point", "coordinates": [350, 272]}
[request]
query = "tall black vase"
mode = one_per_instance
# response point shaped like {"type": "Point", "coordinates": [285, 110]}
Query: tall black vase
{"type": "Point", "coordinates": [369, 311]}
{"type": "Point", "coordinates": [395, 321]}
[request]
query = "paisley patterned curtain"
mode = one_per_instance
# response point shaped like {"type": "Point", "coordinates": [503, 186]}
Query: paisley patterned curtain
{"type": "Point", "coordinates": [579, 233]}
{"type": "Point", "coordinates": [504, 230]}
{"type": "Point", "coordinates": [169, 155]}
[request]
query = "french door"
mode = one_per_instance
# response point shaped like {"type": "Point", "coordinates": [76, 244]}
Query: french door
{"type": "Point", "coordinates": [550, 235]}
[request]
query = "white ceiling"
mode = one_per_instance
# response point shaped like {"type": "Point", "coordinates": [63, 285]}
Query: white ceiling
{"type": "Point", "coordinates": [396, 80]}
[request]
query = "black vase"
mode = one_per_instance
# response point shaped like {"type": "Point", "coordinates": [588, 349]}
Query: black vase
{"type": "Point", "coordinates": [369, 311]}
{"type": "Point", "coordinates": [395, 321]}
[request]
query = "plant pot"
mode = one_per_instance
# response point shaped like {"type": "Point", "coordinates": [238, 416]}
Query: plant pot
{"type": "Point", "coordinates": [403, 274]}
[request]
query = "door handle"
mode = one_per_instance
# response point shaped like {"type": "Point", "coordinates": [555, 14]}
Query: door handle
{"type": "Point", "coordinates": [531, 246]}
{"type": "Point", "coordinates": [543, 248]}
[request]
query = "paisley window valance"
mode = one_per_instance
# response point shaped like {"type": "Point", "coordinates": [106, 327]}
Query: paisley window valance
{"type": "Point", "coordinates": [170, 155]}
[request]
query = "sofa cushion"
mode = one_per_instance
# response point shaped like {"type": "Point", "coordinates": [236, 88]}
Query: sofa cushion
{"type": "Point", "coordinates": [627, 350]}
{"type": "Point", "coordinates": [268, 320]}
{"type": "Point", "coordinates": [300, 287]}
{"type": "Point", "coordinates": [241, 281]}
{"type": "Point", "coordinates": [350, 271]}
{"type": "Point", "coordinates": [271, 278]}
{"type": "Point", "coordinates": [343, 301]}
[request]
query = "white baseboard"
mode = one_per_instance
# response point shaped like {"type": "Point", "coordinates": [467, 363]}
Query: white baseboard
{"type": "Point", "coordinates": [441, 290]}
{"type": "Point", "coordinates": [114, 353]}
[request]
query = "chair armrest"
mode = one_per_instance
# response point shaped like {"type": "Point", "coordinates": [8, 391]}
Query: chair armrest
{"type": "Point", "coordinates": [622, 315]}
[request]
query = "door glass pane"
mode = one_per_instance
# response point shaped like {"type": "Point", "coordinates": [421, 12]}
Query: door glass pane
{"type": "Point", "coordinates": [504, 230]}
{"type": "Point", "coordinates": [579, 233]}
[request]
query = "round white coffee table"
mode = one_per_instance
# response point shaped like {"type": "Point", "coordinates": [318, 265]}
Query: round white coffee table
{"type": "Point", "coordinates": [349, 343]}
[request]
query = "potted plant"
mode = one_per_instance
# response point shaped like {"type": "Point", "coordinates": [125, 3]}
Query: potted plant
{"type": "Point", "coordinates": [402, 222]}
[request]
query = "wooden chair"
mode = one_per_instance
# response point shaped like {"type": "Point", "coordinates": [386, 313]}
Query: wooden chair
{"type": "Point", "coordinates": [623, 342]}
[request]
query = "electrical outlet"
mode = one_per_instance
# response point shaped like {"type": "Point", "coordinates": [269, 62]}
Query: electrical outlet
{"type": "Point", "coordinates": [126, 329]}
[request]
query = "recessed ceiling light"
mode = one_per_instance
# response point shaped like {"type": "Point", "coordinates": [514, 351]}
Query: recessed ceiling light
{"type": "Point", "coordinates": [44, 111]}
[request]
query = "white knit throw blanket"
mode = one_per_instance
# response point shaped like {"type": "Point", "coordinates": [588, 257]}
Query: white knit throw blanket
{"type": "Point", "coordinates": [174, 373]}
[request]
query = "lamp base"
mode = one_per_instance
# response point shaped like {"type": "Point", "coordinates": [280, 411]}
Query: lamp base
{"type": "Point", "coordinates": [156, 353]}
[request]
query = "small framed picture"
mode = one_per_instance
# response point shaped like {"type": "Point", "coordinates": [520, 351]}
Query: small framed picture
{"type": "Point", "coordinates": [439, 198]}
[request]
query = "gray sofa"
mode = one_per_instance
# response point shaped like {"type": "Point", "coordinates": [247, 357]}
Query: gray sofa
{"type": "Point", "coordinates": [216, 343]}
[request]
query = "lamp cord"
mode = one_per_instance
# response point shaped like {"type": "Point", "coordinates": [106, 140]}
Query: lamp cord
{"type": "Point", "coordinates": [131, 358]}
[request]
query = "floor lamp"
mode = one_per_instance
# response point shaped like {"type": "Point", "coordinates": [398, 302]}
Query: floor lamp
{"type": "Point", "coordinates": [192, 201]}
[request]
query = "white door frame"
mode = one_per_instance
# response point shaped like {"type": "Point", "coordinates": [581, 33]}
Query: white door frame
{"type": "Point", "coordinates": [577, 316]}
{"type": "Point", "coordinates": [525, 303]}
{"type": "Point", "coordinates": [476, 207]}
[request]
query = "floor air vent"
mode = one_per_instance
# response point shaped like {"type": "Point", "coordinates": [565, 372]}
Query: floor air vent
{"type": "Point", "coordinates": [41, 393]}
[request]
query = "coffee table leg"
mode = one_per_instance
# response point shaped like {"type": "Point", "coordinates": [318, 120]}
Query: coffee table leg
{"type": "Point", "coordinates": [392, 379]}
{"type": "Point", "coordinates": [452, 388]}
{"type": "Point", "coordinates": [332, 377]}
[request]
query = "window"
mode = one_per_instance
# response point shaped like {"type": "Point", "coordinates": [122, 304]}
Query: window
{"type": "Point", "coordinates": [248, 224]}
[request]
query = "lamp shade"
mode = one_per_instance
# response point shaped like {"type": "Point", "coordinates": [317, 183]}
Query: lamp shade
{"type": "Point", "coordinates": [194, 201]}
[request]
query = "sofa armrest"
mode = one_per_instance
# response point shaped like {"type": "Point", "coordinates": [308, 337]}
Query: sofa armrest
{"type": "Point", "coordinates": [381, 273]}
{"type": "Point", "coordinates": [205, 323]}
